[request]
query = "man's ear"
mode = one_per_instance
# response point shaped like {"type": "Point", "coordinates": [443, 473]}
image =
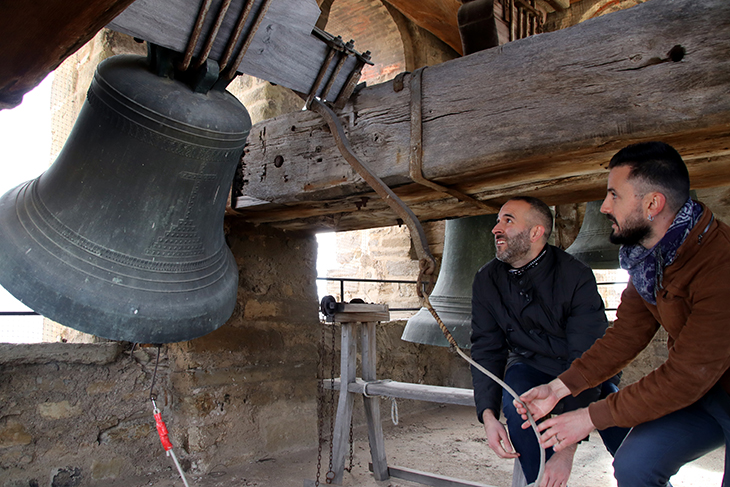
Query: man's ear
{"type": "Point", "coordinates": [536, 233]}
{"type": "Point", "coordinates": [657, 202]}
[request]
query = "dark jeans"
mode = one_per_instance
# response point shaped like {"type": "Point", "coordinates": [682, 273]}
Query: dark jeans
{"type": "Point", "coordinates": [521, 378]}
{"type": "Point", "coordinates": [654, 451]}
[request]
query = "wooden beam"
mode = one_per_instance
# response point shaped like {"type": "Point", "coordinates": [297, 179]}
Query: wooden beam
{"type": "Point", "coordinates": [539, 116]}
{"type": "Point", "coordinates": [282, 50]}
{"type": "Point", "coordinates": [558, 5]}
{"type": "Point", "coordinates": [406, 390]}
{"type": "Point", "coordinates": [432, 479]}
{"type": "Point", "coordinates": [38, 36]}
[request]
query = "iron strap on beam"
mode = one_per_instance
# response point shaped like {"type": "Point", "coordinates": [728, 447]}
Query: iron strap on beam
{"type": "Point", "coordinates": [416, 152]}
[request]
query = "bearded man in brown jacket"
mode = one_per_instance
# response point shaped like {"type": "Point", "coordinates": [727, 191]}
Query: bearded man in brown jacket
{"type": "Point", "coordinates": [678, 258]}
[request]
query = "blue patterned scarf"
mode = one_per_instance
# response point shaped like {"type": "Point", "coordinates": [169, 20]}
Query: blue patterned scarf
{"type": "Point", "coordinates": [646, 266]}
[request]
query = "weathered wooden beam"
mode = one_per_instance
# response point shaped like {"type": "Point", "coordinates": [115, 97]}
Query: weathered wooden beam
{"type": "Point", "coordinates": [406, 390]}
{"type": "Point", "coordinates": [282, 49]}
{"type": "Point", "coordinates": [38, 36]}
{"type": "Point", "coordinates": [432, 479]}
{"type": "Point", "coordinates": [539, 116]}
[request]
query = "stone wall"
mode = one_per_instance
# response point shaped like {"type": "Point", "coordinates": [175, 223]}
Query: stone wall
{"type": "Point", "coordinates": [76, 414]}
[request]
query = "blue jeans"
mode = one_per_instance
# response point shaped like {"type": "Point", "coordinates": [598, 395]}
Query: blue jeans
{"type": "Point", "coordinates": [654, 451]}
{"type": "Point", "coordinates": [521, 378]}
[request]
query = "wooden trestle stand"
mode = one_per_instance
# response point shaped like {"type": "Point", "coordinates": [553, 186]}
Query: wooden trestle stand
{"type": "Point", "coordinates": [369, 315]}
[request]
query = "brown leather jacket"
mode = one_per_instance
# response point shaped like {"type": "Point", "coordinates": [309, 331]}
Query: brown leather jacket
{"type": "Point", "coordinates": [693, 305]}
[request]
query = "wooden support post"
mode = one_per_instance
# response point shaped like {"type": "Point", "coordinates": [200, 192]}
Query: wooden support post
{"type": "Point", "coordinates": [344, 406]}
{"type": "Point", "coordinates": [372, 404]}
{"type": "Point", "coordinates": [348, 316]}
{"type": "Point", "coordinates": [350, 386]}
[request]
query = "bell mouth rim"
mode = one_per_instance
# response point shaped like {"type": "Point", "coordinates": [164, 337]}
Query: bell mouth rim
{"type": "Point", "coordinates": [112, 310]}
{"type": "Point", "coordinates": [39, 223]}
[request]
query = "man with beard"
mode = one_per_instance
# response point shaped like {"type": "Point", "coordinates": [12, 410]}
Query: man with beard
{"type": "Point", "coordinates": [535, 309]}
{"type": "Point", "coordinates": [678, 257]}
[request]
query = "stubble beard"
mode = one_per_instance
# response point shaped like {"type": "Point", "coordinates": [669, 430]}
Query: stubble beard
{"type": "Point", "coordinates": [515, 249]}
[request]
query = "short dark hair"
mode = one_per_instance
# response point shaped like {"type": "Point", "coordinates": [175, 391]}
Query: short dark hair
{"type": "Point", "coordinates": [542, 211]}
{"type": "Point", "coordinates": [659, 167]}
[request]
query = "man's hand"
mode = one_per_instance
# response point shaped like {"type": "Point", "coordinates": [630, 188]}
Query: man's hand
{"type": "Point", "coordinates": [565, 430]}
{"type": "Point", "coordinates": [541, 400]}
{"type": "Point", "coordinates": [557, 469]}
{"type": "Point", "coordinates": [497, 436]}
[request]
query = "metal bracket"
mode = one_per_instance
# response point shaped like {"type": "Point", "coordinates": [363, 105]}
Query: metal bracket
{"type": "Point", "coordinates": [356, 311]}
{"type": "Point", "coordinates": [335, 45]}
{"type": "Point", "coordinates": [344, 51]}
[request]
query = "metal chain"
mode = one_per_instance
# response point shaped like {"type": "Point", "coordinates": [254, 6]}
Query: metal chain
{"type": "Point", "coordinates": [331, 472]}
{"type": "Point", "coordinates": [153, 396]}
{"type": "Point", "coordinates": [320, 405]}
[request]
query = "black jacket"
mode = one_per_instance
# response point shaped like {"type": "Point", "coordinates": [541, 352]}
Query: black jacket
{"type": "Point", "coordinates": [546, 317]}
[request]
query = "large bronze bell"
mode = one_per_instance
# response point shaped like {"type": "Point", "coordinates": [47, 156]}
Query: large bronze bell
{"type": "Point", "coordinates": [468, 245]}
{"type": "Point", "coordinates": [123, 236]}
{"type": "Point", "coordinates": [592, 245]}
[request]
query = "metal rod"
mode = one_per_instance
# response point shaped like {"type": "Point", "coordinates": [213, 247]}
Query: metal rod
{"type": "Point", "coordinates": [355, 279]}
{"type": "Point", "coordinates": [154, 375]}
{"type": "Point", "coordinates": [212, 34]}
{"type": "Point", "coordinates": [195, 35]}
{"type": "Point", "coordinates": [320, 76]}
{"type": "Point", "coordinates": [179, 468]}
{"type": "Point", "coordinates": [352, 79]}
{"type": "Point", "coordinates": [428, 264]}
{"type": "Point", "coordinates": [415, 167]}
{"type": "Point", "coordinates": [233, 40]}
{"type": "Point", "coordinates": [427, 478]}
{"type": "Point", "coordinates": [231, 71]}
{"type": "Point", "coordinates": [333, 77]}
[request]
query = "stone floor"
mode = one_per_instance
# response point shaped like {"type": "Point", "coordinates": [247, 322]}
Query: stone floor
{"type": "Point", "coordinates": [447, 441]}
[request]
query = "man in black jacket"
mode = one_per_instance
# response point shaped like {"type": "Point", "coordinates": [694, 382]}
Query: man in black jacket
{"type": "Point", "coordinates": [535, 309]}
